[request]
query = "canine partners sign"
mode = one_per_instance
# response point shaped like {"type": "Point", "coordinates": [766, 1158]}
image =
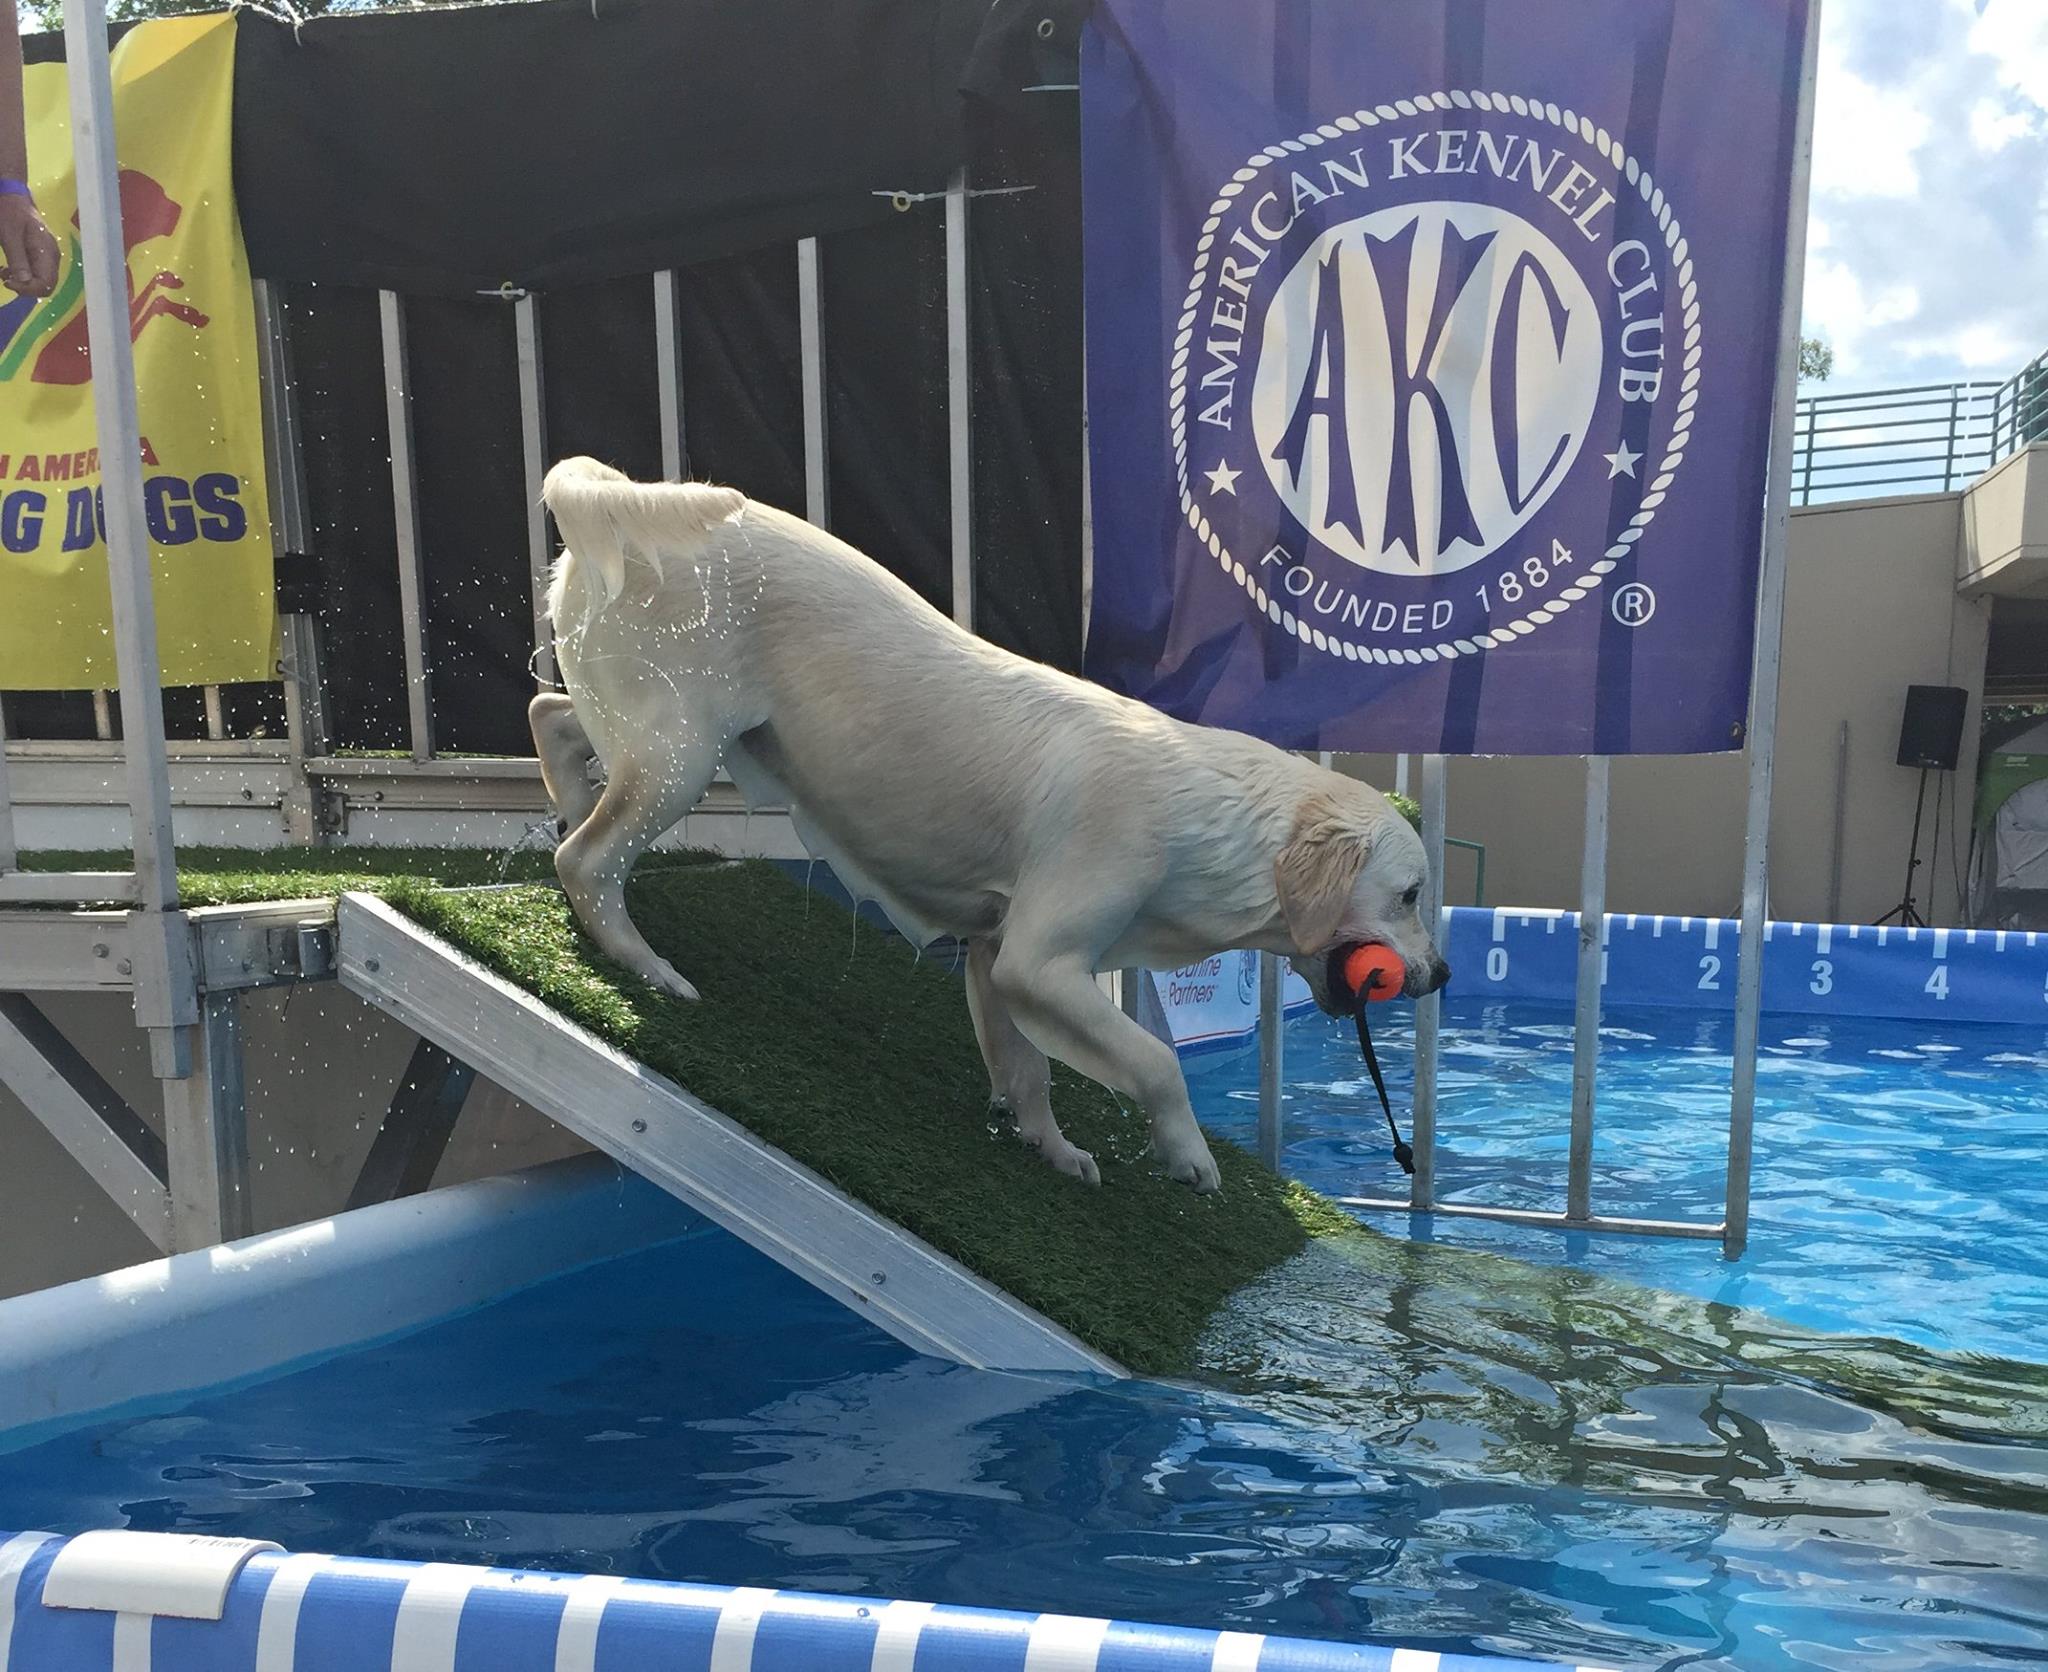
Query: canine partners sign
{"type": "Point", "coordinates": [190, 313]}
{"type": "Point", "coordinates": [1431, 350]}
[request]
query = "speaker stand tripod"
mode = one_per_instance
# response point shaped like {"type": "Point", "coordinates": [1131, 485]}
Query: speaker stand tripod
{"type": "Point", "coordinates": [1904, 913]}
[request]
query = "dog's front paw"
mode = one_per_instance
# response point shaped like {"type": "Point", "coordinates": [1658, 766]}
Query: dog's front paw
{"type": "Point", "coordinates": [1191, 1164]}
{"type": "Point", "coordinates": [661, 973]}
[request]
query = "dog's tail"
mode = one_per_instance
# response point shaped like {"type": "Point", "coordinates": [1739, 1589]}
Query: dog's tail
{"type": "Point", "coordinates": [603, 514]}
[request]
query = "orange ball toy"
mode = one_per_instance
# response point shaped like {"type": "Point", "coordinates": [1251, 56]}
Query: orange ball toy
{"type": "Point", "coordinates": [1375, 970]}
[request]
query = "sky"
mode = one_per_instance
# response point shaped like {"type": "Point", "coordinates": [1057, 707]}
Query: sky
{"type": "Point", "coordinates": [1927, 258]}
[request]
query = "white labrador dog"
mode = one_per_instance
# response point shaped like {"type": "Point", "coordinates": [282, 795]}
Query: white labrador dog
{"type": "Point", "coordinates": [1053, 827]}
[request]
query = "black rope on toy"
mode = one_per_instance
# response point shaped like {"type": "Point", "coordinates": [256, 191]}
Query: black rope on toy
{"type": "Point", "coordinates": [1361, 1000]}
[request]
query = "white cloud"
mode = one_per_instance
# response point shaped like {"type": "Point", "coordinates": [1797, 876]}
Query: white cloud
{"type": "Point", "coordinates": [1928, 255]}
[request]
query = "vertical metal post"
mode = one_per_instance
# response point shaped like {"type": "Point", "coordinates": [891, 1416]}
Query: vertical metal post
{"type": "Point", "coordinates": [10, 854]}
{"type": "Point", "coordinates": [1272, 1060]}
{"type": "Point", "coordinates": [1837, 846]}
{"type": "Point", "coordinates": [405, 509]}
{"type": "Point", "coordinates": [1429, 1011]}
{"type": "Point", "coordinates": [533, 447]}
{"type": "Point", "coordinates": [305, 691]}
{"type": "Point", "coordinates": [1087, 507]}
{"type": "Point", "coordinates": [1812, 424]}
{"type": "Point", "coordinates": [206, 1134]}
{"type": "Point", "coordinates": [216, 713]}
{"type": "Point", "coordinates": [1586, 1022]}
{"type": "Point", "coordinates": [959, 401]}
{"type": "Point", "coordinates": [1400, 774]}
{"type": "Point", "coordinates": [810, 310]}
{"type": "Point", "coordinates": [1948, 468]}
{"type": "Point", "coordinates": [103, 715]}
{"type": "Point", "coordinates": [120, 438]}
{"type": "Point", "coordinates": [166, 997]}
{"type": "Point", "coordinates": [668, 373]}
{"type": "Point", "coordinates": [1763, 690]}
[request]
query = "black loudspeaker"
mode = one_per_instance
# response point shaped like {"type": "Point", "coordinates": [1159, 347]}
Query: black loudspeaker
{"type": "Point", "coordinates": [1931, 735]}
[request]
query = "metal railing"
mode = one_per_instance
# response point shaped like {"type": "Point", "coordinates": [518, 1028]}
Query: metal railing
{"type": "Point", "coordinates": [1927, 438]}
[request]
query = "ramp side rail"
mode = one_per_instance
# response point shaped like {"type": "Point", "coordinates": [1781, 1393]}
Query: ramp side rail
{"type": "Point", "coordinates": [711, 1163]}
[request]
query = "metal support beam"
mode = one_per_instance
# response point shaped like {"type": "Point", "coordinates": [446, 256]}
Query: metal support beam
{"type": "Point", "coordinates": [1429, 1011]}
{"type": "Point", "coordinates": [1586, 1022]}
{"type": "Point", "coordinates": [533, 446]}
{"type": "Point", "coordinates": [405, 510]}
{"type": "Point", "coordinates": [86, 1115]}
{"type": "Point", "coordinates": [10, 854]}
{"type": "Point", "coordinates": [668, 375]}
{"type": "Point", "coordinates": [1272, 1061]}
{"type": "Point", "coordinates": [959, 401]}
{"type": "Point", "coordinates": [307, 731]}
{"type": "Point", "coordinates": [810, 308]}
{"type": "Point", "coordinates": [206, 1133]}
{"type": "Point", "coordinates": [165, 996]}
{"type": "Point", "coordinates": [1543, 1219]}
{"type": "Point", "coordinates": [1763, 687]}
{"type": "Point", "coordinates": [417, 1127]}
{"type": "Point", "coordinates": [216, 713]}
{"type": "Point", "coordinates": [105, 261]}
{"type": "Point", "coordinates": [1838, 841]}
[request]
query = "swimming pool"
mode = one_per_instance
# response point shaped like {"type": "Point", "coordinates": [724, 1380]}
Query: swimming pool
{"type": "Point", "coordinates": [1409, 1443]}
{"type": "Point", "coordinates": [1901, 1174]}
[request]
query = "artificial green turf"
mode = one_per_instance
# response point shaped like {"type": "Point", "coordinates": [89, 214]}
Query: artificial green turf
{"type": "Point", "coordinates": [239, 876]}
{"type": "Point", "coordinates": [836, 1044]}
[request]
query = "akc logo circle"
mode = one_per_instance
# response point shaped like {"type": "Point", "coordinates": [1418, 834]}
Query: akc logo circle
{"type": "Point", "coordinates": [1436, 371]}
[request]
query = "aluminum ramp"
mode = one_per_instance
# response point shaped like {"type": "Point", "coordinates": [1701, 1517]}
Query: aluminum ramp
{"type": "Point", "coordinates": [647, 1122]}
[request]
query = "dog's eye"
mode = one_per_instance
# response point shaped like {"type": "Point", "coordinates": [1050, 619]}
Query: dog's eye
{"type": "Point", "coordinates": [1414, 894]}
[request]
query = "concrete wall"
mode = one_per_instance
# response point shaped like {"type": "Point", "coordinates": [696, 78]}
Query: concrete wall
{"type": "Point", "coordinates": [321, 1068]}
{"type": "Point", "coordinates": [1870, 608]}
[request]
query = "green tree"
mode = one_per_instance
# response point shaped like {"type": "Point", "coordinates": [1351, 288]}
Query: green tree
{"type": "Point", "coordinates": [1816, 360]}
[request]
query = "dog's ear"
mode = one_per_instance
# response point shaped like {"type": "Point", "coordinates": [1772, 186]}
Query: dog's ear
{"type": "Point", "coordinates": [1316, 872]}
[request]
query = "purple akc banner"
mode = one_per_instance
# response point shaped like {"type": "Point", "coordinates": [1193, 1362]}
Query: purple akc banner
{"type": "Point", "coordinates": [1431, 350]}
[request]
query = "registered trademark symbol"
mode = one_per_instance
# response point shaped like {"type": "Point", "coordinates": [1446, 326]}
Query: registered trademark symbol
{"type": "Point", "coordinates": [1633, 604]}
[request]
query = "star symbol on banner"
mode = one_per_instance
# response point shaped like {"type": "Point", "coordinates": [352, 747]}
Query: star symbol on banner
{"type": "Point", "coordinates": [1223, 479]}
{"type": "Point", "coordinates": [1621, 462]}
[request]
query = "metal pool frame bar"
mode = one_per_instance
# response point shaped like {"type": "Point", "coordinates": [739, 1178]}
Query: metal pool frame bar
{"type": "Point", "coordinates": [167, 1602]}
{"type": "Point", "coordinates": [179, 967]}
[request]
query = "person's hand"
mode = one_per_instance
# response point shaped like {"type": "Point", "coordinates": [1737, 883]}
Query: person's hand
{"type": "Point", "coordinates": [31, 253]}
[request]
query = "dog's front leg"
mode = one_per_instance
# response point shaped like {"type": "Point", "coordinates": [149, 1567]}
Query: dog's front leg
{"type": "Point", "coordinates": [1061, 1010]}
{"type": "Point", "coordinates": [1019, 1076]}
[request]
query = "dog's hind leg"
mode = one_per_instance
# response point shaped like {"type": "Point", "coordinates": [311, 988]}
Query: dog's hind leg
{"type": "Point", "coordinates": [1019, 1075]}
{"type": "Point", "coordinates": [565, 752]}
{"type": "Point", "coordinates": [642, 800]}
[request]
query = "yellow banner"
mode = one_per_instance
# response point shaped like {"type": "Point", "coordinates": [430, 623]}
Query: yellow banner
{"type": "Point", "coordinates": [192, 317]}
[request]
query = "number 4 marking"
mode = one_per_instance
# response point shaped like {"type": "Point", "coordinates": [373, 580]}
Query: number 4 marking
{"type": "Point", "coordinates": [1937, 983]}
{"type": "Point", "coordinates": [1558, 554]}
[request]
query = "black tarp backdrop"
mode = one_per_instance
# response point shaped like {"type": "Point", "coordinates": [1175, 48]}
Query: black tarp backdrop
{"type": "Point", "coordinates": [444, 153]}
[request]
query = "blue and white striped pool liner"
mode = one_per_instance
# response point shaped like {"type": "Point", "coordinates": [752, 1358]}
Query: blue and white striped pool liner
{"type": "Point", "coordinates": [346, 1614]}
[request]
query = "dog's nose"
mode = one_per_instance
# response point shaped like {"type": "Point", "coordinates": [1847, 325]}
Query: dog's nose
{"type": "Point", "coordinates": [1439, 974]}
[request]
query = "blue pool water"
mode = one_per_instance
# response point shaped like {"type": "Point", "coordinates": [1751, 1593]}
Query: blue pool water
{"type": "Point", "coordinates": [1404, 1442]}
{"type": "Point", "coordinates": [1901, 1174]}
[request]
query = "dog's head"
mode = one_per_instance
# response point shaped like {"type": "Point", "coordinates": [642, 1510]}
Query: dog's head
{"type": "Point", "coordinates": [1353, 870]}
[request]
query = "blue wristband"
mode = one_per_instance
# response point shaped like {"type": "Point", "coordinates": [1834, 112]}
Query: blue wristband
{"type": "Point", "coordinates": [11, 187]}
